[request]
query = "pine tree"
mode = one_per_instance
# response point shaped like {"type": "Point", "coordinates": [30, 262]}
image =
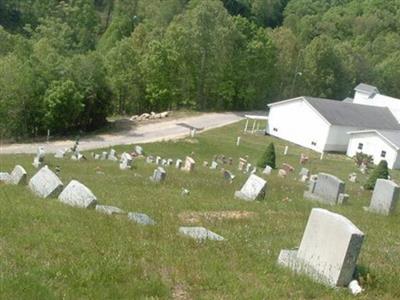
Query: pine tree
{"type": "Point", "coordinates": [268, 158]}
{"type": "Point", "coordinates": [381, 171]}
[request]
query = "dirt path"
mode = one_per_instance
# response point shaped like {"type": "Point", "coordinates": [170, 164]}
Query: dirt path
{"type": "Point", "coordinates": [143, 133]}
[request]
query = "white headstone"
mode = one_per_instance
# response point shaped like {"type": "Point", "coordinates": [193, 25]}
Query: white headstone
{"type": "Point", "coordinates": [267, 170]}
{"type": "Point", "coordinates": [253, 189]}
{"type": "Point", "coordinates": [59, 154]}
{"type": "Point", "coordinates": [384, 197]}
{"type": "Point", "coordinates": [125, 161]}
{"type": "Point", "coordinates": [159, 175]}
{"type": "Point", "coordinates": [109, 210]}
{"type": "Point", "coordinates": [189, 164]}
{"type": "Point", "coordinates": [178, 163]}
{"type": "Point", "coordinates": [141, 218]}
{"type": "Point", "coordinates": [238, 141]}
{"type": "Point", "coordinates": [139, 150]}
{"type": "Point", "coordinates": [214, 165]}
{"type": "Point", "coordinates": [158, 160]}
{"type": "Point", "coordinates": [45, 183]}
{"type": "Point", "coordinates": [5, 177]}
{"type": "Point", "coordinates": [200, 233]}
{"type": "Point", "coordinates": [112, 155]}
{"type": "Point", "coordinates": [329, 249]}
{"type": "Point", "coordinates": [104, 155]}
{"type": "Point", "coordinates": [76, 194]}
{"type": "Point", "coordinates": [18, 175]}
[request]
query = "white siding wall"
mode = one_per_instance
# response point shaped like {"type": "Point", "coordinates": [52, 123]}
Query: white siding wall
{"type": "Point", "coordinates": [338, 139]}
{"type": "Point", "coordinates": [373, 145]}
{"type": "Point", "coordinates": [298, 123]}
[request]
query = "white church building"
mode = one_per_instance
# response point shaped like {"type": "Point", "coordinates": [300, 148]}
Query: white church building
{"type": "Point", "coordinates": [369, 123]}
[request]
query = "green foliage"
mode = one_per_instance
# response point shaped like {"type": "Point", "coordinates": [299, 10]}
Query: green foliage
{"type": "Point", "coordinates": [381, 171]}
{"type": "Point", "coordinates": [63, 104]}
{"type": "Point", "coordinates": [206, 55]}
{"type": "Point", "coordinates": [268, 158]}
{"type": "Point", "coordinates": [363, 158]}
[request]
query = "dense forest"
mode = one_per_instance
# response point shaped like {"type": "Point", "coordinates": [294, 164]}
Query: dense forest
{"type": "Point", "coordinates": [68, 64]}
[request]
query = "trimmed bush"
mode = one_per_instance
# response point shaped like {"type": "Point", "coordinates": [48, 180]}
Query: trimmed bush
{"type": "Point", "coordinates": [268, 158]}
{"type": "Point", "coordinates": [381, 171]}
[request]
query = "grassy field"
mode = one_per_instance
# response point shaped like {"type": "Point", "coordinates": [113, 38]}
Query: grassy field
{"type": "Point", "coordinates": [50, 251]}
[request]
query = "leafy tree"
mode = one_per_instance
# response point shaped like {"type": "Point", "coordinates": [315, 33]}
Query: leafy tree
{"type": "Point", "coordinates": [381, 171]}
{"type": "Point", "coordinates": [268, 158]}
{"type": "Point", "coordinates": [63, 104]}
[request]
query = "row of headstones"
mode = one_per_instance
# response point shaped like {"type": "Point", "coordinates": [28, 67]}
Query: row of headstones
{"type": "Point", "coordinates": [46, 184]}
{"type": "Point", "coordinates": [329, 189]}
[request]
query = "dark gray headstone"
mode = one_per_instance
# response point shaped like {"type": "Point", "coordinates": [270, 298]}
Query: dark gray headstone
{"type": "Point", "coordinates": [327, 189]}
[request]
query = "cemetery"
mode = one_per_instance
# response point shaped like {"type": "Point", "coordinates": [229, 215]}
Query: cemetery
{"type": "Point", "coordinates": [141, 221]}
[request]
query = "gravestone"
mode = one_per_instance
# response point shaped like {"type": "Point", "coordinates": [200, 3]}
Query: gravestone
{"type": "Point", "coordinates": [267, 170]}
{"type": "Point", "coordinates": [170, 162]}
{"type": "Point", "coordinates": [384, 197]}
{"type": "Point", "coordinates": [97, 156]}
{"type": "Point", "coordinates": [214, 165]}
{"type": "Point", "coordinates": [288, 168]}
{"type": "Point", "coordinates": [200, 233]}
{"type": "Point", "coordinates": [39, 158]}
{"type": "Point", "coordinates": [253, 189]}
{"type": "Point", "coordinates": [59, 154]}
{"type": "Point", "coordinates": [228, 176]}
{"type": "Point", "coordinates": [159, 175]}
{"type": "Point", "coordinates": [242, 164]}
{"type": "Point", "coordinates": [254, 171]}
{"type": "Point", "coordinates": [248, 167]}
{"type": "Point", "coordinates": [352, 177]}
{"type": "Point", "coordinates": [178, 163]}
{"type": "Point", "coordinates": [189, 164]}
{"type": "Point", "coordinates": [282, 173]}
{"type": "Point", "coordinates": [125, 161]}
{"type": "Point", "coordinates": [285, 152]}
{"type": "Point", "coordinates": [304, 174]}
{"type": "Point", "coordinates": [205, 163]}
{"type": "Point", "coordinates": [139, 150]}
{"type": "Point", "coordinates": [327, 189]}
{"type": "Point", "coordinates": [76, 194]}
{"type": "Point", "coordinates": [5, 177]}
{"type": "Point", "coordinates": [238, 141]}
{"type": "Point", "coordinates": [328, 251]}
{"type": "Point", "coordinates": [18, 175]}
{"type": "Point", "coordinates": [109, 210]}
{"type": "Point", "coordinates": [112, 155]}
{"type": "Point", "coordinates": [45, 183]}
{"type": "Point", "coordinates": [149, 159]}
{"type": "Point", "coordinates": [158, 160]}
{"type": "Point", "coordinates": [303, 159]}
{"type": "Point", "coordinates": [104, 155]}
{"type": "Point", "coordinates": [141, 218]}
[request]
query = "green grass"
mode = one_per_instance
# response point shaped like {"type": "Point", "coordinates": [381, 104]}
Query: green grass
{"type": "Point", "coordinates": [50, 251]}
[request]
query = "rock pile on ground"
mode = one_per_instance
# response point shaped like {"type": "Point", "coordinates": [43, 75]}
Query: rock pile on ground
{"type": "Point", "coordinates": [150, 116]}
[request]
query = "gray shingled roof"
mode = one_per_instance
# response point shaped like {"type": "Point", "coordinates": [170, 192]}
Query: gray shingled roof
{"type": "Point", "coordinates": [348, 100]}
{"type": "Point", "coordinates": [354, 115]}
{"type": "Point", "coordinates": [369, 89]}
{"type": "Point", "coordinates": [392, 136]}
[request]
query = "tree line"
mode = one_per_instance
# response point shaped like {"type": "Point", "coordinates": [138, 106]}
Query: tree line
{"type": "Point", "coordinates": [67, 65]}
